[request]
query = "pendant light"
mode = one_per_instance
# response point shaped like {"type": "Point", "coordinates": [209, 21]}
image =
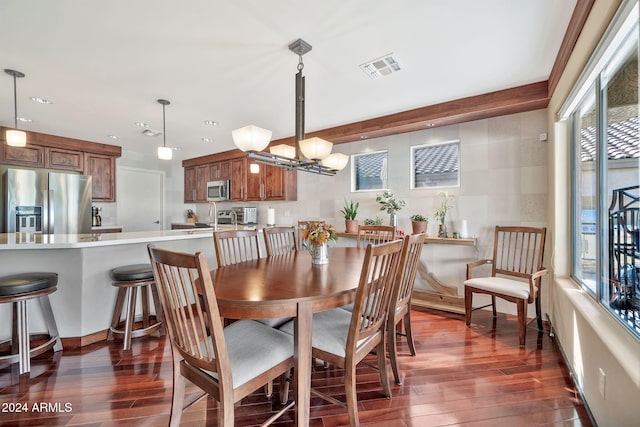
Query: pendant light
{"type": "Point", "coordinates": [164, 152]}
{"type": "Point", "coordinates": [308, 155]}
{"type": "Point", "coordinates": [15, 137]}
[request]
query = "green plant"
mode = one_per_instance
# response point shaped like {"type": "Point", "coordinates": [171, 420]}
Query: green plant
{"type": "Point", "coordinates": [373, 221]}
{"type": "Point", "coordinates": [389, 203]}
{"type": "Point", "coordinates": [441, 212]}
{"type": "Point", "coordinates": [418, 218]}
{"type": "Point", "coordinates": [350, 210]}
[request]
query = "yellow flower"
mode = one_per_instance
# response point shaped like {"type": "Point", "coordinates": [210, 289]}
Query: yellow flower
{"type": "Point", "coordinates": [319, 233]}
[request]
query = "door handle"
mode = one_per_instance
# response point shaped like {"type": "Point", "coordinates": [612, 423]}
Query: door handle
{"type": "Point", "coordinates": [156, 222]}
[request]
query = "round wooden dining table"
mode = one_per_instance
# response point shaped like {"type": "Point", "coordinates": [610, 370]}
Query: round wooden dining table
{"type": "Point", "coordinates": [290, 286]}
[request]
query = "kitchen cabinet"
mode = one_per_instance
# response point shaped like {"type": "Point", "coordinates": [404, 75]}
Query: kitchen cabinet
{"type": "Point", "coordinates": [60, 158]}
{"type": "Point", "coordinates": [62, 153]}
{"type": "Point", "coordinates": [237, 177]}
{"type": "Point", "coordinates": [218, 170]}
{"type": "Point", "coordinates": [270, 183]}
{"type": "Point", "coordinates": [190, 184]}
{"type": "Point", "coordinates": [195, 184]}
{"type": "Point", "coordinates": [31, 155]}
{"type": "Point", "coordinates": [102, 169]}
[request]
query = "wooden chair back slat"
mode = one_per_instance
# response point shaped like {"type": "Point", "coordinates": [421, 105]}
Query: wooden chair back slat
{"type": "Point", "coordinates": [194, 324]}
{"type": "Point", "coordinates": [409, 267]}
{"type": "Point", "coordinates": [280, 240]}
{"type": "Point", "coordinates": [377, 279]}
{"type": "Point", "coordinates": [234, 246]}
{"type": "Point", "coordinates": [518, 251]}
{"type": "Point", "coordinates": [375, 234]}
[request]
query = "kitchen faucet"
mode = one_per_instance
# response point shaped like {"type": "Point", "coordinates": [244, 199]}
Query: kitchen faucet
{"type": "Point", "coordinates": [212, 205]}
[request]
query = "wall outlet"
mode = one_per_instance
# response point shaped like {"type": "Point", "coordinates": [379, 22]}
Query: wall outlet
{"type": "Point", "coordinates": [543, 136]}
{"type": "Point", "coordinates": [601, 382]}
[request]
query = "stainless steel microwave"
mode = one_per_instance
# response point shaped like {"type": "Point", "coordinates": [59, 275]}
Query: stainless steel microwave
{"type": "Point", "coordinates": [217, 191]}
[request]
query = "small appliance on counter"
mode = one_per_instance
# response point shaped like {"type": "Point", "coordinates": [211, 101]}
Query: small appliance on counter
{"type": "Point", "coordinates": [243, 215]}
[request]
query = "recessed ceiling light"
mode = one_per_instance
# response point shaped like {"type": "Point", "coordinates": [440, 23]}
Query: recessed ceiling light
{"type": "Point", "coordinates": [24, 119]}
{"type": "Point", "coordinates": [205, 139]}
{"type": "Point", "coordinates": [150, 132]}
{"type": "Point", "coordinates": [113, 136]}
{"type": "Point", "coordinates": [430, 125]}
{"type": "Point", "coordinates": [40, 100]}
{"type": "Point", "coordinates": [211, 122]}
{"type": "Point", "coordinates": [141, 124]}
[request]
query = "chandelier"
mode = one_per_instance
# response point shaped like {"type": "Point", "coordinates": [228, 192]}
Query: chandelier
{"type": "Point", "coordinates": [309, 155]}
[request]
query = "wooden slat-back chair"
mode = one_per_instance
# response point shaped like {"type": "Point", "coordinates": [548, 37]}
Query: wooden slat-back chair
{"type": "Point", "coordinates": [234, 246]}
{"type": "Point", "coordinates": [374, 234]}
{"type": "Point", "coordinates": [516, 274]}
{"type": "Point", "coordinates": [363, 329]}
{"type": "Point", "coordinates": [400, 309]}
{"type": "Point", "coordinates": [280, 240]}
{"type": "Point", "coordinates": [225, 363]}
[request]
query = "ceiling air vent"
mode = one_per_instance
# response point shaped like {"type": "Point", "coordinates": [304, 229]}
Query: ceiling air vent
{"type": "Point", "coordinates": [381, 67]}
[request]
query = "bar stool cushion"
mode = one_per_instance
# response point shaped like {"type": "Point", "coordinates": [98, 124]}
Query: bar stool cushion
{"type": "Point", "coordinates": [132, 273]}
{"type": "Point", "coordinates": [23, 283]}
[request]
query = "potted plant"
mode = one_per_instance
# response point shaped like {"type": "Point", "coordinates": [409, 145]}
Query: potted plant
{"type": "Point", "coordinates": [419, 223]}
{"type": "Point", "coordinates": [373, 221]}
{"type": "Point", "coordinates": [350, 211]}
{"type": "Point", "coordinates": [391, 205]}
{"type": "Point", "coordinates": [441, 212]}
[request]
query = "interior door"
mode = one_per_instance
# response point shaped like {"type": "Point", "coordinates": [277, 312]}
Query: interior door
{"type": "Point", "coordinates": [140, 196]}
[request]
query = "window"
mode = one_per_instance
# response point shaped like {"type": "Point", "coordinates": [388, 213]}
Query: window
{"type": "Point", "coordinates": [369, 171]}
{"type": "Point", "coordinates": [435, 165]}
{"type": "Point", "coordinates": [606, 173]}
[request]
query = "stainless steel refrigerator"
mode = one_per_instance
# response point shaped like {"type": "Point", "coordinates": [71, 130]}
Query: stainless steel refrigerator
{"type": "Point", "coordinates": [40, 201]}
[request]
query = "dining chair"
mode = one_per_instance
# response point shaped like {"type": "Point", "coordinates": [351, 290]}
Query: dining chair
{"type": "Point", "coordinates": [374, 234]}
{"type": "Point", "coordinates": [280, 240]}
{"type": "Point", "coordinates": [400, 308]}
{"type": "Point", "coordinates": [234, 246]}
{"type": "Point", "coordinates": [345, 338]}
{"type": "Point", "coordinates": [516, 274]}
{"type": "Point", "coordinates": [226, 363]}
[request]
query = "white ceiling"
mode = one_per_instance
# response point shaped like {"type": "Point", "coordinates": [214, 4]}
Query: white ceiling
{"type": "Point", "coordinates": [105, 63]}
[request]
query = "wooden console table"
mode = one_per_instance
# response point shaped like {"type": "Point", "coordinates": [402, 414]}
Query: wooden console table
{"type": "Point", "coordinates": [443, 297]}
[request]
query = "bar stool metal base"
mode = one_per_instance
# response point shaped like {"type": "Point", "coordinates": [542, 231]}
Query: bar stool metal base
{"type": "Point", "coordinates": [20, 338]}
{"type": "Point", "coordinates": [126, 299]}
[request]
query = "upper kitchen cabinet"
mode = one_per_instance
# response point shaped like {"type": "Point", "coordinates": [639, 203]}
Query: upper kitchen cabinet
{"type": "Point", "coordinates": [195, 183]}
{"type": "Point", "coordinates": [237, 178]}
{"type": "Point", "coordinates": [219, 171]}
{"type": "Point", "coordinates": [103, 172]}
{"type": "Point", "coordinates": [60, 158]}
{"type": "Point", "coordinates": [31, 155]}
{"type": "Point", "coordinates": [270, 183]}
{"type": "Point", "coordinates": [57, 152]}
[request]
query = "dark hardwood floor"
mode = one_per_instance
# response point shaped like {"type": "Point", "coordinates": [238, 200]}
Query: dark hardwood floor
{"type": "Point", "coordinates": [460, 377]}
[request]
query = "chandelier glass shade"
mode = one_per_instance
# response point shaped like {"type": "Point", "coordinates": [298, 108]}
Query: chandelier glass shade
{"type": "Point", "coordinates": [251, 138]}
{"type": "Point", "coordinates": [315, 148]}
{"type": "Point", "coordinates": [335, 161]}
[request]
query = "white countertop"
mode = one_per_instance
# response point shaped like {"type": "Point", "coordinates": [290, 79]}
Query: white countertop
{"type": "Point", "coordinates": [9, 241]}
{"type": "Point", "coordinates": [14, 241]}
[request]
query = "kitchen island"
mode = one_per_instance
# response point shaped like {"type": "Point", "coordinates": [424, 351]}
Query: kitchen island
{"type": "Point", "coordinates": [84, 301]}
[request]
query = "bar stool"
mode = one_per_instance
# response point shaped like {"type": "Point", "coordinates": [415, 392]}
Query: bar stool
{"type": "Point", "coordinates": [18, 289]}
{"type": "Point", "coordinates": [129, 279]}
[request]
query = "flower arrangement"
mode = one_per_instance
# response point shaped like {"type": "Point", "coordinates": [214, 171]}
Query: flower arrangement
{"type": "Point", "coordinates": [319, 233]}
{"type": "Point", "coordinates": [389, 203]}
{"type": "Point", "coordinates": [441, 212]}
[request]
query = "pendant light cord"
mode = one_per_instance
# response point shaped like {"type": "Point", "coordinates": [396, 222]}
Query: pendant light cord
{"type": "Point", "coordinates": [164, 128]}
{"type": "Point", "coordinates": [15, 103]}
